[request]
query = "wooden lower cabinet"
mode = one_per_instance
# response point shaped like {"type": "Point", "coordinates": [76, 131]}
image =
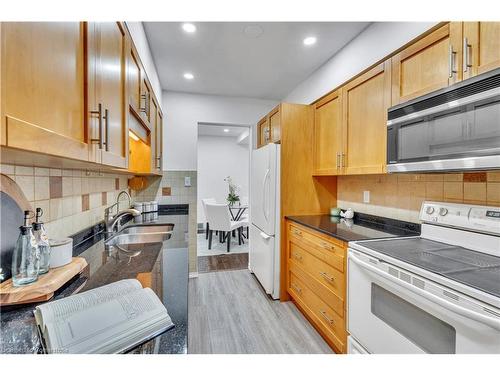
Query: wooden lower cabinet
{"type": "Point", "coordinates": [316, 281]}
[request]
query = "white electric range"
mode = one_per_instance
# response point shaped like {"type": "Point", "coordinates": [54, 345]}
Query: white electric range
{"type": "Point", "coordinates": [435, 293]}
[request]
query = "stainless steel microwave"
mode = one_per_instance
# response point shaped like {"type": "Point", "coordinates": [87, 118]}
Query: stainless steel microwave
{"type": "Point", "coordinates": [456, 128]}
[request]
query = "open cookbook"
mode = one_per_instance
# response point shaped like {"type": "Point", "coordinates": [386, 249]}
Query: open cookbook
{"type": "Point", "coordinates": [111, 319]}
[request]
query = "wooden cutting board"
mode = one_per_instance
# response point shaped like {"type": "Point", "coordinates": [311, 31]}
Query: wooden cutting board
{"type": "Point", "coordinates": [43, 289]}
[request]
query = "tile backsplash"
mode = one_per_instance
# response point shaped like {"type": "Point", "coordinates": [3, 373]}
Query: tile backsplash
{"type": "Point", "coordinates": [71, 200]}
{"type": "Point", "coordinates": [400, 196]}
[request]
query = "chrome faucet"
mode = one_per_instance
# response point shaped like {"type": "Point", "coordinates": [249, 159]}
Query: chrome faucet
{"type": "Point", "coordinates": [111, 220]}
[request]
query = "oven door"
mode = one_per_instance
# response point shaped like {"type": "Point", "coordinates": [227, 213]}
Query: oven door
{"type": "Point", "coordinates": [453, 137]}
{"type": "Point", "coordinates": [388, 317]}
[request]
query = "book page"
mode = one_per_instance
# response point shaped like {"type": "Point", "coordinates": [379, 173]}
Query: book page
{"type": "Point", "coordinates": [60, 309]}
{"type": "Point", "coordinates": [110, 326]}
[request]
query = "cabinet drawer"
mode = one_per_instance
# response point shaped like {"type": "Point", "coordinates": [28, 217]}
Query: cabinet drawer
{"type": "Point", "coordinates": [333, 300]}
{"type": "Point", "coordinates": [329, 323]}
{"type": "Point", "coordinates": [316, 268]}
{"type": "Point", "coordinates": [326, 250]}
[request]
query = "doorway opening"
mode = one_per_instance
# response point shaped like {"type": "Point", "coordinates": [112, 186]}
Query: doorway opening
{"type": "Point", "coordinates": [223, 213]}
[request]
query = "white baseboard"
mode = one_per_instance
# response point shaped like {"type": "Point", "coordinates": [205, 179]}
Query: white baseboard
{"type": "Point", "coordinates": [193, 275]}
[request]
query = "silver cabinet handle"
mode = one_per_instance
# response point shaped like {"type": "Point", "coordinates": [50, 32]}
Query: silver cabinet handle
{"type": "Point", "coordinates": [328, 319]}
{"type": "Point", "coordinates": [467, 50]}
{"type": "Point", "coordinates": [338, 160]}
{"type": "Point", "coordinates": [451, 61]}
{"type": "Point", "coordinates": [297, 289]}
{"type": "Point", "coordinates": [106, 126]}
{"type": "Point", "coordinates": [343, 160]}
{"type": "Point", "coordinates": [327, 276]}
{"type": "Point", "coordinates": [99, 116]}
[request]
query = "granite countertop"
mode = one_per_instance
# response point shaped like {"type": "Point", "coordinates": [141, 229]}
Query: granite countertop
{"type": "Point", "coordinates": [167, 262]}
{"type": "Point", "coordinates": [361, 227]}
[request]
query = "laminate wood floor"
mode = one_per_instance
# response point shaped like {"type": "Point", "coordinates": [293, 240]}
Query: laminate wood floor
{"type": "Point", "coordinates": [223, 262]}
{"type": "Point", "coordinates": [229, 313]}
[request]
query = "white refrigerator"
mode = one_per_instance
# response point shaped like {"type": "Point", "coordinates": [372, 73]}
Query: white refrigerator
{"type": "Point", "coordinates": [264, 252]}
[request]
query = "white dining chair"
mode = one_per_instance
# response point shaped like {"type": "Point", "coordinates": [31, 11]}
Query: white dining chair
{"type": "Point", "coordinates": [204, 203]}
{"type": "Point", "coordinates": [219, 217]}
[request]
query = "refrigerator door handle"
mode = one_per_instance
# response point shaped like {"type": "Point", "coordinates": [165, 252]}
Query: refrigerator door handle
{"type": "Point", "coordinates": [264, 236]}
{"type": "Point", "coordinates": [266, 176]}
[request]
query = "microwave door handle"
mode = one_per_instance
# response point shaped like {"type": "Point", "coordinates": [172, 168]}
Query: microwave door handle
{"type": "Point", "coordinates": [491, 322]}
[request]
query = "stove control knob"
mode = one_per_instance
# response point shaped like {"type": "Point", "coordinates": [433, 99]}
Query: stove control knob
{"type": "Point", "coordinates": [429, 210]}
{"type": "Point", "coordinates": [443, 211]}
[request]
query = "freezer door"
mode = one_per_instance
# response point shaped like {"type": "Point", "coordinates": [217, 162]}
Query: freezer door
{"type": "Point", "coordinates": [262, 258]}
{"type": "Point", "coordinates": [263, 188]}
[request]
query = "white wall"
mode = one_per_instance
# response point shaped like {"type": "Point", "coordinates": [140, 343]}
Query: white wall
{"type": "Point", "coordinates": [141, 44]}
{"type": "Point", "coordinates": [184, 111]}
{"type": "Point", "coordinates": [219, 157]}
{"type": "Point", "coordinates": [373, 44]}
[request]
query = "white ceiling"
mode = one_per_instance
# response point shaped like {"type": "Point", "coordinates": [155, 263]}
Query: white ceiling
{"type": "Point", "coordinates": [225, 60]}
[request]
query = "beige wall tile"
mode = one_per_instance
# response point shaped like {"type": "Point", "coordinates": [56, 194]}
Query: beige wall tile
{"type": "Point", "coordinates": [67, 186]}
{"type": "Point", "coordinates": [454, 177]}
{"type": "Point", "coordinates": [85, 185]}
{"type": "Point", "coordinates": [27, 185]}
{"type": "Point", "coordinates": [7, 169]}
{"type": "Point", "coordinates": [45, 206]}
{"type": "Point", "coordinates": [453, 191]}
{"type": "Point", "coordinates": [77, 186]}
{"type": "Point", "coordinates": [55, 172]}
{"type": "Point", "coordinates": [475, 192]}
{"type": "Point", "coordinates": [94, 200]}
{"type": "Point", "coordinates": [493, 192]}
{"type": "Point", "coordinates": [434, 190]}
{"type": "Point", "coordinates": [42, 188]}
{"type": "Point", "coordinates": [493, 176]}
{"type": "Point", "coordinates": [42, 171]}
{"type": "Point", "coordinates": [23, 171]}
{"type": "Point", "coordinates": [56, 209]}
{"type": "Point", "coordinates": [68, 207]}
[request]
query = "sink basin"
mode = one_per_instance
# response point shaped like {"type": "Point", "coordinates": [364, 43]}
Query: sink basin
{"type": "Point", "coordinates": [140, 234]}
{"type": "Point", "coordinates": [148, 229]}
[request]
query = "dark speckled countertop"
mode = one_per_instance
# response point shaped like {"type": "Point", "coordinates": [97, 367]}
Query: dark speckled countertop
{"type": "Point", "coordinates": [167, 262]}
{"type": "Point", "coordinates": [361, 227]}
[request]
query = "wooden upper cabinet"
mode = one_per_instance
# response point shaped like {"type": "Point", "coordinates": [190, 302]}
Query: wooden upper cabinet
{"type": "Point", "coordinates": [263, 132]}
{"type": "Point", "coordinates": [431, 63]}
{"type": "Point", "coordinates": [365, 102]}
{"type": "Point", "coordinates": [328, 144]}
{"type": "Point", "coordinates": [134, 78]}
{"type": "Point", "coordinates": [481, 47]}
{"type": "Point", "coordinates": [275, 125]}
{"type": "Point", "coordinates": [106, 92]}
{"type": "Point", "coordinates": [42, 88]}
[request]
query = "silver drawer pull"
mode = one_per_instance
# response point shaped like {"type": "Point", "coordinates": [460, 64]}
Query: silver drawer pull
{"type": "Point", "coordinates": [330, 321]}
{"type": "Point", "coordinates": [326, 245]}
{"type": "Point", "coordinates": [327, 276]}
{"type": "Point", "coordinates": [297, 289]}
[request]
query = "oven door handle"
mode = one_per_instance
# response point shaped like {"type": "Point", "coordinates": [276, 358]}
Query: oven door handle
{"type": "Point", "coordinates": [491, 322]}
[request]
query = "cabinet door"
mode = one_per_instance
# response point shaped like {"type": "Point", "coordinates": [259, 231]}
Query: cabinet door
{"type": "Point", "coordinates": [159, 141]}
{"type": "Point", "coordinates": [328, 135]}
{"type": "Point", "coordinates": [481, 47]}
{"type": "Point", "coordinates": [365, 103]}
{"type": "Point", "coordinates": [153, 134]}
{"type": "Point", "coordinates": [43, 87]}
{"type": "Point", "coordinates": [263, 132]}
{"type": "Point", "coordinates": [134, 78]}
{"type": "Point", "coordinates": [110, 86]}
{"type": "Point", "coordinates": [429, 64]}
{"type": "Point", "coordinates": [275, 124]}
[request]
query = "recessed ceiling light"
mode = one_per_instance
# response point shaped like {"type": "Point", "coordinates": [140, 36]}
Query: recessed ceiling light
{"type": "Point", "coordinates": [310, 40]}
{"type": "Point", "coordinates": [188, 75]}
{"type": "Point", "coordinates": [188, 27]}
{"type": "Point", "coordinates": [226, 130]}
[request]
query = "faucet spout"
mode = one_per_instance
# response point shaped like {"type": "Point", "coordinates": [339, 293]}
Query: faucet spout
{"type": "Point", "coordinates": [112, 222]}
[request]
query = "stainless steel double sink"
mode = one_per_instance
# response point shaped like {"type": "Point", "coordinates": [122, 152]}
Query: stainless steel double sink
{"type": "Point", "coordinates": [139, 235]}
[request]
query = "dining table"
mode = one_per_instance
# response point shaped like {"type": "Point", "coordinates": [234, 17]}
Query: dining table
{"type": "Point", "coordinates": [237, 211]}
